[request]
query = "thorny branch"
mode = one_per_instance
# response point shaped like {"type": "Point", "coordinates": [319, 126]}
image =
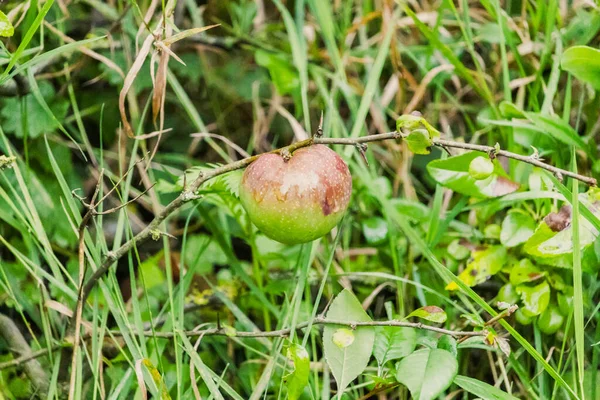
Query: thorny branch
{"type": "Point", "coordinates": [188, 193]}
{"type": "Point", "coordinates": [221, 331]}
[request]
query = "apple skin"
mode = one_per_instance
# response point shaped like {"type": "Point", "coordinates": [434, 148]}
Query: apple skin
{"type": "Point", "coordinates": [299, 200]}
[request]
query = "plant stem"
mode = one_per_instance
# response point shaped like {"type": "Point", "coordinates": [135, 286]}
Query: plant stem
{"type": "Point", "coordinates": [188, 193]}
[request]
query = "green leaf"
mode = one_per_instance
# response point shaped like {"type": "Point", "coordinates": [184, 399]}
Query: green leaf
{"type": "Point", "coordinates": [448, 343]}
{"type": "Point", "coordinates": [524, 272]}
{"type": "Point", "coordinates": [584, 63]}
{"type": "Point", "coordinates": [458, 251]}
{"type": "Point", "coordinates": [6, 28]}
{"type": "Point", "coordinates": [430, 313]}
{"type": "Point", "coordinates": [486, 263]}
{"type": "Point", "coordinates": [419, 141]}
{"type": "Point", "coordinates": [481, 168]}
{"type": "Point", "coordinates": [516, 229]}
{"type": "Point", "coordinates": [297, 380]}
{"type": "Point", "coordinates": [348, 362]}
{"type": "Point", "coordinates": [27, 115]}
{"type": "Point", "coordinates": [535, 299]}
{"type": "Point", "coordinates": [375, 230]}
{"type": "Point", "coordinates": [482, 389]}
{"type": "Point", "coordinates": [284, 76]}
{"type": "Point", "coordinates": [393, 343]}
{"type": "Point", "coordinates": [547, 243]}
{"type": "Point", "coordinates": [453, 173]}
{"type": "Point", "coordinates": [557, 128]}
{"type": "Point", "coordinates": [427, 372]}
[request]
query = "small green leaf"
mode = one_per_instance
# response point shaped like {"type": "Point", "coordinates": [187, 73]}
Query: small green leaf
{"type": "Point", "coordinates": [284, 76]}
{"type": "Point", "coordinates": [297, 380]}
{"type": "Point", "coordinates": [427, 372]}
{"type": "Point", "coordinates": [458, 251]}
{"type": "Point", "coordinates": [419, 141]}
{"type": "Point", "coordinates": [550, 320]}
{"type": "Point", "coordinates": [27, 117]}
{"type": "Point", "coordinates": [481, 168]}
{"type": "Point", "coordinates": [481, 389]}
{"type": "Point", "coordinates": [6, 28]}
{"type": "Point", "coordinates": [535, 299]}
{"type": "Point", "coordinates": [408, 121]}
{"type": "Point", "coordinates": [348, 362]}
{"type": "Point", "coordinates": [547, 243]}
{"type": "Point", "coordinates": [524, 272]}
{"type": "Point", "coordinates": [453, 173]}
{"type": "Point", "coordinates": [430, 313]}
{"type": "Point", "coordinates": [448, 343]}
{"type": "Point", "coordinates": [486, 263]}
{"type": "Point", "coordinates": [584, 63]}
{"type": "Point", "coordinates": [393, 343]}
{"type": "Point", "coordinates": [375, 230]}
{"type": "Point", "coordinates": [517, 228]}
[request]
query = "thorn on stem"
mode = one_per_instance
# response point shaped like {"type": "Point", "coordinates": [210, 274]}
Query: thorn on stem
{"type": "Point", "coordinates": [559, 176]}
{"type": "Point", "coordinates": [319, 132]}
{"type": "Point", "coordinates": [362, 148]}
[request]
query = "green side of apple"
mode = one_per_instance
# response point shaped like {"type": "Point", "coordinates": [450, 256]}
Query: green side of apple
{"type": "Point", "coordinates": [290, 222]}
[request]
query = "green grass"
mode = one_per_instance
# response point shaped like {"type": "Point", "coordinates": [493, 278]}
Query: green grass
{"type": "Point", "coordinates": [360, 63]}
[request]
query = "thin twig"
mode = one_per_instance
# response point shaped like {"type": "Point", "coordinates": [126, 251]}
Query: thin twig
{"type": "Point", "coordinates": [219, 331]}
{"type": "Point", "coordinates": [318, 321]}
{"type": "Point", "coordinates": [188, 193]}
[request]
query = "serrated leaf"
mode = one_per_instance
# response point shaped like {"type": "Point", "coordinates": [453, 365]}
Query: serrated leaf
{"type": "Point", "coordinates": [427, 372]}
{"type": "Point", "coordinates": [297, 380]}
{"type": "Point", "coordinates": [517, 228]}
{"type": "Point", "coordinates": [393, 343]}
{"type": "Point", "coordinates": [485, 264]}
{"type": "Point", "coordinates": [6, 28]}
{"type": "Point", "coordinates": [482, 389]}
{"type": "Point", "coordinates": [430, 313]}
{"type": "Point", "coordinates": [348, 362]}
{"type": "Point", "coordinates": [584, 63]}
{"type": "Point", "coordinates": [453, 173]}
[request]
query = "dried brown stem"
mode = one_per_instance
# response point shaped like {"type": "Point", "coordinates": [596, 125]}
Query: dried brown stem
{"type": "Point", "coordinates": [16, 342]}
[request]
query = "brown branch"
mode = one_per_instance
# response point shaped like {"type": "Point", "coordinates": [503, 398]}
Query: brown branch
{"type": "Point", "coordinates": [16, 342]}
{"type": "Point", "coordinates": [219, 331]}
{"type": "Point", "coordinates": [317, 321]}
{"type": "Point", "coordinates": [188, 193]}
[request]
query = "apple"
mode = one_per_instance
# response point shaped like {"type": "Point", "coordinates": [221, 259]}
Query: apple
{"type": "Point", "coordinates": [296, 199]}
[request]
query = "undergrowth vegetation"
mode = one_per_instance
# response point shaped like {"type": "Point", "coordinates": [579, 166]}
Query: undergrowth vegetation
{"type": "Point", "coordinates": [466, 263]}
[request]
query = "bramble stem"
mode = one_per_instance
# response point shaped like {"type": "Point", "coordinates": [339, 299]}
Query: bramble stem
{"type": "Point", "coordinates": [189, 192]}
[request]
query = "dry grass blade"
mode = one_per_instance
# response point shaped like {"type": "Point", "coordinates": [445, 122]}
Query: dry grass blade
{"type": "Point", "coordinates": [130, 78]}
{"type": "Point", "coordinates": [139, 374]}
{"type": "Point", "coordinates": [187, 33]}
